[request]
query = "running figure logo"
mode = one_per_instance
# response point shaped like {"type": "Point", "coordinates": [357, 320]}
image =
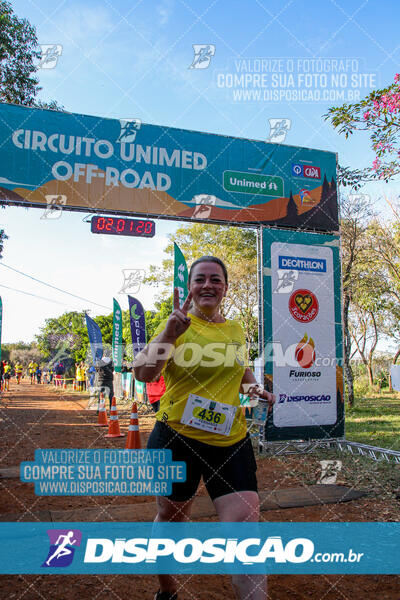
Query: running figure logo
{"type": "Point", "coordinates": [61, 551]}
{"type": "Point", "coordinates": [129, 128]}
{"type": "Point", "coordinates": [132, 280]}
{"type": "Point", "coordinates": [202, 56]}
{"type": "Point", "coordinates": [286, 281]}
{"type": "Point", "coordinates": [50, 53]}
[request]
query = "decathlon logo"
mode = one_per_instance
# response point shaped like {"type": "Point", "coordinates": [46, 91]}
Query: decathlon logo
{"type": "Point", "coordinates": [302, 263]}
{"type": "Point", "coordinates": [192, 550]}
{"type": "Point", "coordinates": [62, 547]}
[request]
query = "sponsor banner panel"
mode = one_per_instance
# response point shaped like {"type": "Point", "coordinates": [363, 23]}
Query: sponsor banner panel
{"type": "Point", "coordinates": [207, 548]}
{"type": "Point", "coordinates": [302, 332]}
{"type": "Point", "coordinates": [74, 161]}
{"type": "Point", "coordinates": [303, 322]}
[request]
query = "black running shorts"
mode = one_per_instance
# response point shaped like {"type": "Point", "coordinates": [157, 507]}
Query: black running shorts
{"type": "Point", "coordinates": [225, 469]}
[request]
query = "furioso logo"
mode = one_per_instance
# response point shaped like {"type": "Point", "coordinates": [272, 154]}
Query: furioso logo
{"type": "Point", "coordinates": [61, 551]}
{"type": "Point", "coordinates": [305, 352]}
{"type": "Point", "coordinates": [303, 306]}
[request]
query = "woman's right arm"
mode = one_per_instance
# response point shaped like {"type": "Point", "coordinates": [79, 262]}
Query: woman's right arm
{"type": "Point", "coordinates": [149, 363]}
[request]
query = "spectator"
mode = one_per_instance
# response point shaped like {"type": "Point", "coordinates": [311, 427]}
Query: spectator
{"type": "Point", "coordinates": [155, 389]}
{"type": "Point", "coordinates": [105, 377]}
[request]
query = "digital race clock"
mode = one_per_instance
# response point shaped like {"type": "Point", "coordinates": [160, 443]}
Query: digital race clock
{"type": "Point", "coordinates": [122, 226]}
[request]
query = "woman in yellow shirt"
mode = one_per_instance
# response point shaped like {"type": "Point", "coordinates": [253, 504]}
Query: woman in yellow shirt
{"type": "Point", "coordinates": [202, 357]}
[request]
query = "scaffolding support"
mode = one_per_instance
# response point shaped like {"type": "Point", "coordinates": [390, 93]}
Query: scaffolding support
{"type": "Point", "coordinates": [307, 446]}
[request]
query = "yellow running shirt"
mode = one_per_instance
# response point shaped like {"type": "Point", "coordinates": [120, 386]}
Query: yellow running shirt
{"type": "Point", "coordinates": [209, 361]}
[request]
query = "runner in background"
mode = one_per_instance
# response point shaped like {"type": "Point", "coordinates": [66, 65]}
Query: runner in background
{"type": "Point", "coordinates": [32, 370]}
{"type": "Point", "coordinates": [50, 374]}
{"type": "Point", "coordinates": [155, 389]}
{"type": "Point", "coordinates": [7, 376]}
{"type": "Point", "coordinates": [18, 372]}
{"type": "Point", "coordinates": [1, 375]}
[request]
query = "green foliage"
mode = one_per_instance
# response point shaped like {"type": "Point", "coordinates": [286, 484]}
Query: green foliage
{"type": "Point", "coordinates": [18, 51]}
{"type": "Point", "coordinates": [361, 387]}
{"type": "Point", "coordinates": [378, 114]}
{"type": "Point", "coordinates": [66, 337]}
{"type": "Point", "coordinates": [21, 352]}
{"type": "Point", "coordinates": [154, 318]}
{"type": "Point", "coordinates": [237, 247]}
{"type": "Point", "coordinates": [375, 420]}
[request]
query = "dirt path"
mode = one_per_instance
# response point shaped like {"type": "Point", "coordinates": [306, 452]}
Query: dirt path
{"type": "Point", "coordinates": [33, 417]}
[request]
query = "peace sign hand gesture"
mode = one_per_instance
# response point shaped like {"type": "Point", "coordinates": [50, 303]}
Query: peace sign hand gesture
{"type": "Point", "coordinates": [178, 321]}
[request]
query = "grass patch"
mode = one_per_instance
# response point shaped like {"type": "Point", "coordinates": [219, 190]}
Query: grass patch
{"type": "Point", "coordinates": [375, 420]}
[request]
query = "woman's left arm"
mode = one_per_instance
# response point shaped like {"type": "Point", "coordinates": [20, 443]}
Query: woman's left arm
{"type": "Point", "coordinates": [250, 387]}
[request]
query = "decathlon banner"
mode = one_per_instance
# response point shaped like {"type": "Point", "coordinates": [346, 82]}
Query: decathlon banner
{"type": "Point", "coordinates": [72, 161]}
{"type": "Point", "coordinates": [95, 338]}
{"type": "Point", "coordinates": [180, 274]}
{"type": "Point", "coordinates": [199, 548]}
{"type": "Point", "coordinates": [303, 337]}
{"type": "Point", "coordinates": [138, 325]}
{"type": "Point", "coordinates": [117, 336]}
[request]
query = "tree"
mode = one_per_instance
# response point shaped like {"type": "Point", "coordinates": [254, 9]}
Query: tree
{"type": "Point", "coordinates": [355, 215]}
{"type": "Point", "coordinates": [66, 337]}
{"type": "Point", "coordinates": [237, 248]}
{"type": "Point", "coordinates": [379, 114]}
{"type": "Point", "coordinates": [19, 49]}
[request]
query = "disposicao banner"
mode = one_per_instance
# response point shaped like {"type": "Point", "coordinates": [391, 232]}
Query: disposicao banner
{"type": "Point", "coordinates": [74, 161]}
{"type": "Point", "coordinates": [117, 336]}
{"type": "Point", "coordinates": [180, 274]}
{"type": "Point", "coordinates": [138, 325]}
{"type": "Point", "coordinates": [303, 336]}
{"type": "Point", "coordinates": [95, 338]}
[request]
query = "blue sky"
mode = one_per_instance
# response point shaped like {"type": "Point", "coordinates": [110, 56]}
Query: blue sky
{"type": "Point", "coordinates": [131, 59]}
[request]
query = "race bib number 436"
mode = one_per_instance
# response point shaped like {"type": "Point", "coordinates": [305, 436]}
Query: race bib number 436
{"type": "Point", "coordinates": [209, 415]}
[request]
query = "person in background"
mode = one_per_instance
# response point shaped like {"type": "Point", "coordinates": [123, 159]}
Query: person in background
{"type": "Point", "coordinates": [50, 374]}
{"type": "Point", "coordinates": [18, 372]}
{"type": "Point", "coordinates": [38, 374]}
{"type": "Point", "coordinates": [7, 376]}
{"type": "Point", "coordinates": [60, 370]}
{"type": "Point", "coordinates": [155, 389]}
{"type": "Point", "coordinates": [105, 377]}
{"type": "Point", "coordinates": [83, 370]}
{"type": "Point", "coordinates": [1, 375]}
{"type": "Point", "coordinates": [79, 375]}
{"type": "Point", "coordinates": [32, 370]}
{"type": "Point", "coordinates": [91, 373]}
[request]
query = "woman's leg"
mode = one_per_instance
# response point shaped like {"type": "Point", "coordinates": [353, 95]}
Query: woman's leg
{"type": "Point", "coordinates": [168, 510]}
{"type": "Point", "coordinates": [242, 507]}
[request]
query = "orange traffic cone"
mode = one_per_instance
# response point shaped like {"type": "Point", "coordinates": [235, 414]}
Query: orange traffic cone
{"type": "Point", "coordinates": [102, 420]}
{"type": "Point", "coordinates": [74, 385]}
{"type": "Point", "coordinates": [133, 439]}
{"type": "Point", "coordinates": [113, 427]}
{"type": "Point", "coordinates": [65, 384]}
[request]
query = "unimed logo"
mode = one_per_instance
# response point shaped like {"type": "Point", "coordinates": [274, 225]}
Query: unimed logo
{"type": "Point", "coordinates": [193, 550]}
